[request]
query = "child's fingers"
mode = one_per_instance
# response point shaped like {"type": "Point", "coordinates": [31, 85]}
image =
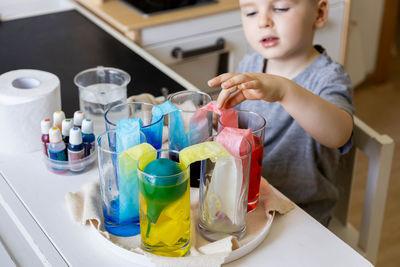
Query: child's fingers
{"type": "Point", "coordinates": [224, 95]}
{"type": "Point", "coordinates": [220, 79]}
{"type": "Point", "coordinates": [249, 85]}
{"type": "Point", "coordinates": [235, 81]}
{"type": "Point", "coordinates": [235, 100]}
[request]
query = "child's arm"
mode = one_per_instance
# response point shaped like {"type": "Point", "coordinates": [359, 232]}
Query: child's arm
{"type": "Point", "coordinates": [325, 122]}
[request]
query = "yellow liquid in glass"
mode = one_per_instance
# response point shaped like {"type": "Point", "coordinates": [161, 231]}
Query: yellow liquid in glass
{"type": "Point", "coordinates": [170, 234]}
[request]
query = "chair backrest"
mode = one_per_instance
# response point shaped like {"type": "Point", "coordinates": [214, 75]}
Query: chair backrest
{"type": "Point", "coordinates": [379, 149]}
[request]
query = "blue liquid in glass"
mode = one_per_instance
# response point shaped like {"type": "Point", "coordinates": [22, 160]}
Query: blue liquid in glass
{"type": "Point", "coordinates": [129, 227]}
{"type": "Point", "coordinates": [153, 134]}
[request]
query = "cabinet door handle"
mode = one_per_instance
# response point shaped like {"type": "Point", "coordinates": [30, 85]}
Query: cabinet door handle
{"type": "Point", "coordinates": [179, 53]}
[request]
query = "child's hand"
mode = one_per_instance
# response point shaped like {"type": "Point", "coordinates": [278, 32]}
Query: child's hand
{"type": "Point", "coordinates": [237, 87]}
{"type": "Point", "coordinates": [324, 121]}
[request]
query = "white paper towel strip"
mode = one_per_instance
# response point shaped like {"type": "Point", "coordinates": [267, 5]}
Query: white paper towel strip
{"type": "Point", "coordinates": [26, 97]}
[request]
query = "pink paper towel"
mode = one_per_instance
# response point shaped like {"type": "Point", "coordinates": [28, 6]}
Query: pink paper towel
{"type": "Point", "coordinates": [229, 117]}
{"type": "Point", "coordinates": [233, 139]}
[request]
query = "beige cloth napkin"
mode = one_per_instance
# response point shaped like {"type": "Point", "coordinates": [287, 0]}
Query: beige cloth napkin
{"type": "Point", "coordinates": [147, 98]}
{"type": "Point", "coordinates": [85, 207]}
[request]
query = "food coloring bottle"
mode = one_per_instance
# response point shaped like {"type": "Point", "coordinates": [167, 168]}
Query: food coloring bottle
{"type": "Point", "coordinates": [75, 149]}
{"type": "Point", "coordinates": [45, 126]}
{"type": "Point", "coordinates": [66, 126]}
{"type": "Point", "coordinates": [56, 148]}
{"type": "Point", "coordinates": [78, 118]}
{"type": "Point", "coordinates": [88, 136]}
{"type": "Point", "coordinates": [58, 117]}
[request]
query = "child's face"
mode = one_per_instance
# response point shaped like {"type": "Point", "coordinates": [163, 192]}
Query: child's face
{"type": "Point", "coordinates": [279, 29]}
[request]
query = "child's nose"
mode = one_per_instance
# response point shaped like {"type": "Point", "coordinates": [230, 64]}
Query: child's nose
{"type": "Point", "coordinates": [265, 21]}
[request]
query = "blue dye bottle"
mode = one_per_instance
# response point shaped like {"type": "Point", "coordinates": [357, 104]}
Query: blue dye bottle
{"type": "Point", "coordinates": [56, 148]}
{"type": "Point", "coordinates": [88, 136]}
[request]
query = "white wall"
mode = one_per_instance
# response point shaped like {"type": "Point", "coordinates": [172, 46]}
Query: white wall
{"type": "Point", "coordinates": [363, 38]}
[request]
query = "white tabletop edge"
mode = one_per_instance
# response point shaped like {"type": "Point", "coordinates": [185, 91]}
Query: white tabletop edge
{"type": "Point", "coordinates": [27, 226]}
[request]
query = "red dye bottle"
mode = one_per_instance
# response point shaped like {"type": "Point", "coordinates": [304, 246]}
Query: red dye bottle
{"type": "Point", "coordinates": [45, 126]}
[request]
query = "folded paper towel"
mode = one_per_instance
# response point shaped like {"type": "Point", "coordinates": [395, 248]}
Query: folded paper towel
{"type": "Point", "coordinates": [85, 207]}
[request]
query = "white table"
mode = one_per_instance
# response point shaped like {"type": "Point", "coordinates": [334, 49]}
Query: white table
{"type": "Point", "coordinates": [36, 230]}
{"type": "Point", "coordinates": [32, 199]}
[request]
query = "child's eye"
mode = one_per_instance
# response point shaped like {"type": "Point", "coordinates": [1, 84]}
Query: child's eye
{"type": "Point", "coordinates": [250, 14]}
{"type": "Point", "coordinates": [281, 10]}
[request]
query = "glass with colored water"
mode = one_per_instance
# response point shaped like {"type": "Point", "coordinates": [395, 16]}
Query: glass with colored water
{"type": "Point", "coordinates": [152, 130]}
{"type": "Point", "coordinates": [256, 123]}
{"type": "Point", "coordinates": [164, 196]}
{"type": "Point", "coordinates": [99, 89]}
{"type": "Point", "coordinates": [118, 188]}
{"type": "Point", "coordinates": [223, 194]}
{"type": "Point", "coordinates": [197, 125]}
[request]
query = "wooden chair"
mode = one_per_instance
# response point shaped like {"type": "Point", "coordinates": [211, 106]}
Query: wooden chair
{"type": "Point", "coordinates": [379, 149]}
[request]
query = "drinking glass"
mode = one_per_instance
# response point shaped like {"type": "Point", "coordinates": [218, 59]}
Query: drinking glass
{"type": "Point", "coordinates": [99, 89]}
{"type": "Point", "coordinates": [119, 190]}
{"type": "Point", "coordinates": [197, 124]}
{"type": "Point", "coordinates": [165, 209]}
{"type": "Point", "coordinates": [223, 195]}
{"type": "Point", "coordinates": [256, 123]}
{"type": "Point", "coordinates": [152, 131]}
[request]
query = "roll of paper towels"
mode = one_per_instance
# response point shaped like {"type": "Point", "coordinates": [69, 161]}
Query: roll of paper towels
{"type": "Point", "coordinates": [26, 97]}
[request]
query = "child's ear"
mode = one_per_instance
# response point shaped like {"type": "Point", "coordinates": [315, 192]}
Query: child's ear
{"type": "Point", "coordinates": [322, 15]}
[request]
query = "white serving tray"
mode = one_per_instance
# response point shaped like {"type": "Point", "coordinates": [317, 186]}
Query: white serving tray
{"type": "Point", "coordinates": [255, 234]}
{"type": "Point", "coordinates": [246, 246]}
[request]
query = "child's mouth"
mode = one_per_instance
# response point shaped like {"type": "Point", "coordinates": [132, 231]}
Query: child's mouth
{"type": "Point", "coordinates": [269, 41]}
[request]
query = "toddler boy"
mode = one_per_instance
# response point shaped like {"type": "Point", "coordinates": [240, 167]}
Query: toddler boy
{"type": "Point", "coordinates": [305, 97]}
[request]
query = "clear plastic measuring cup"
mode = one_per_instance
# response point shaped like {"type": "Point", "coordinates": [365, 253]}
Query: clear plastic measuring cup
{"type": "Point", "coordinates": [99, 89]}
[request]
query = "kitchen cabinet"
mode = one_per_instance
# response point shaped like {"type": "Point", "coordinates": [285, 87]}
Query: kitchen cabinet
{"type": "Point", "coordinates": [197, 33]}
{"type": "Point", "coordinates": [334, 35]}
{"type": "Point", "coordinates": [363, 42]}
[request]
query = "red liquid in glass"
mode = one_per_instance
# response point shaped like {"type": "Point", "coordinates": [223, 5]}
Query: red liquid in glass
{"type": "Point", "coordinates": [255, 174]}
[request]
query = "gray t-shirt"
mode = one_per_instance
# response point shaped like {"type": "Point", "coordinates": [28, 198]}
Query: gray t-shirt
{"type": "Point", "coordinates": [293, 161]}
